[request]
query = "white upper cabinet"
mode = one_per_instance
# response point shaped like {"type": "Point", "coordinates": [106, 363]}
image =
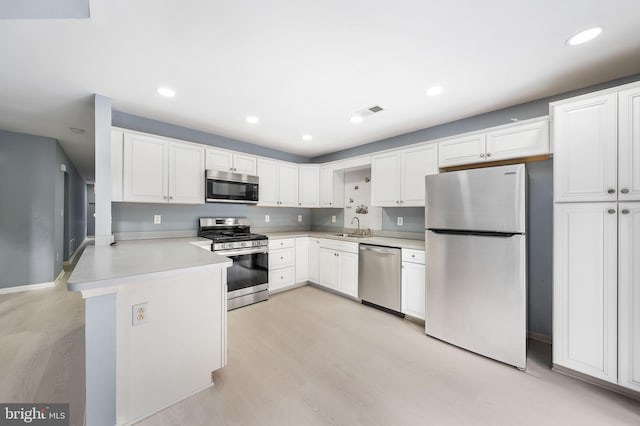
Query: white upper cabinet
{"type": "Point", "coordinates": [278, 184]}
{"type": "Point", "coordinates": [397, 178]}
{"type": "Point", "coordinates": [145, 169]}
{"type": "Point", "coordinates": [585, 295]}
{"type": "Point", "coordinates": [221, 159]}
{"type": "Point", "coordinates": [463, 150]}
{"type": "Point", "coordinates": [186, 173]}
{"type": "Point", "coordinates": [308, 186]}
{"type": "Point", "coordinates": [629, 145]}
{"type": "Point", "coordinates": [629, 295]}
{"type": "Point", "coordinates": [117, 148]}
{"type": "Point", "coordinates": [385, 179]}
{"type": "Point", "coordinates": [518, 140]}
{"type": "Point", "coordinates": [157, 170]}
{"type": "Point", "coordinates": [585, 136]}
{"type": "Point", "coordinates": [331, 187]}
{"type": "Point", "coordinates": [415, 165]}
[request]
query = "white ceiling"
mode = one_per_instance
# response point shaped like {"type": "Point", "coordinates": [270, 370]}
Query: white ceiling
{"type": "Point", "coordinates": [303, 66]}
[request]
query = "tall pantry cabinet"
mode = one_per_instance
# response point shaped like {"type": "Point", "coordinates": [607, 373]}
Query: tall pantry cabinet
{"type": "Point", "coordinates": [596, 313]}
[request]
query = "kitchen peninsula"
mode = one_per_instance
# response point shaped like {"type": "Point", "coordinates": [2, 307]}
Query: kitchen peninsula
{"type": "Point", "coordinates": [155, 324]}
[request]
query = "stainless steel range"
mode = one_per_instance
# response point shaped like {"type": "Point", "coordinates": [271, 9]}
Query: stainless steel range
{"type": "Point", "coordinates": [248, 278]}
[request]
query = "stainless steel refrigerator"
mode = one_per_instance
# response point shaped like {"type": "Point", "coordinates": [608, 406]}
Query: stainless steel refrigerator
{"type": "Point", "coordinates": [476, 248]}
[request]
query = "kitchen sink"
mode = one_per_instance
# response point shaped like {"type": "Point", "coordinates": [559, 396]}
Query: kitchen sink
{"type": "Point", "coordinates": [352, 235]}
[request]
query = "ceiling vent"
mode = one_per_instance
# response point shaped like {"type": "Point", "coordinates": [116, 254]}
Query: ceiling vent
{"type": "Point", "coordinates": [376, 108]}
{"type": "Point", "coordinates": [369, 111]}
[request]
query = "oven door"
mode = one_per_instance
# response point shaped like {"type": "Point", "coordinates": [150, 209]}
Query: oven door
{"type": "Point", "coordinates": [227, 190]}
{"type": "Point", "coordinates": [249, 272]}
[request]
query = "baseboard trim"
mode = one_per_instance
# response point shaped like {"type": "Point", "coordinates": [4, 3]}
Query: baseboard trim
{"type": "Point", "coordinates": [28, 287]}
{"type": "Point", "coordinates": [596, 382]}
{"type": "Point", "coordinates": [79, 249]}
{"type": "Point", "coordinates": [289, 287]}
{"type": "Point", "coordinates": [330, 290]}
{"type": "Point", "coordinates": [539, 337]}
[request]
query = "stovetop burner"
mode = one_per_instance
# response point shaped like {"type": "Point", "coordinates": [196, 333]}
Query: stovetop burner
{"type": "Point", "coordinates": [230, 233]}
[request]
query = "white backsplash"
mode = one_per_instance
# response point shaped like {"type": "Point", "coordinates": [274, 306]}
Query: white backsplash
{"type": "Point", "coordinates": [360, 197]}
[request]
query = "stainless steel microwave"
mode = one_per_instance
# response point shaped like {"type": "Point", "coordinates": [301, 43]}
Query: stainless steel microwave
{"type": "Point", "coordinates": [226, 187]}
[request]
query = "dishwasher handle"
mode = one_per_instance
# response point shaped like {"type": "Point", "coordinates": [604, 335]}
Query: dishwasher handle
{"type": "Point", "coordinates": [380, 250]}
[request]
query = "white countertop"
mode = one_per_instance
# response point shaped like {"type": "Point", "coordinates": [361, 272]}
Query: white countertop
{"type": "Point", "coordinates": [108, 266]}
{"type": "Point", "coordinates": [383, 241]}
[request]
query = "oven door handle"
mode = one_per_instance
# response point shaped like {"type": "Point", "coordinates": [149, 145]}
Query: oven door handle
{"type": "Point", "coordinates": [229, 253]}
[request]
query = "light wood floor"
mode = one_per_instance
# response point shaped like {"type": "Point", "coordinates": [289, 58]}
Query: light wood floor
{"type": "Point", "coordinates": [308, 357]}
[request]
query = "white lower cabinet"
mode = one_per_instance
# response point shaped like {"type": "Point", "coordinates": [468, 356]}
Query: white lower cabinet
{"type": "Point", "coordinates": [629, 295]}
{"type": "Point", "coordinates": [282, 264]}
{"type": "Point", "coordinates": [585, 316]}
{"type": "Point", "coordinates": [413, 283]}
{"type": "Point", "coordinates": [302, 259]}
{"type": "Point", "coordinates": [339, 266]}
{"type": "Point", "coordinates": [314, 260]}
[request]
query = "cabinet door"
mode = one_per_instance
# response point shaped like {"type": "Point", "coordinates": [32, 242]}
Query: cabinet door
{"type": "Point", "coordinates": [464, 150]}
{"type": "Point", "coordinates": [146, 169]}
{"type": "Point", "coordinates": [244, 164]}
{"type": "Point", "coordinates": [585, 150]}
{"type": "Point", "coordinates": [309, 186]}
{"type": "Point", "coordinates": [186, 173]}
{"type": "Point", "coordinates": [348, 273]}
{"type": "Point", "coordinates": [331, 187]}
{"type": "Point", "coordinates": [288, 185]}
{"type": "Point", "coordinates": [219, 159]}
{"type": "Point", "coordinates": [117, 148]}
{"type": "Point", "coordinates": [268, 185]}
{"type": "Point", "coordinates": [302, 259]}
{"type": "Point", "coordinates": [385, 180]}
{"type": "Point", "coordinates": [518, 141]}
{"type": "Point", "coordinates": [413, 289]}
{"type": "Point", "coordinates": [328, 268]}
{"type": "Point", "coordinates": [629, 145]}
{"type": "Point", "coordinates": [629, 299]}
{"type": "Point", "coordinates": [416, 164]}
{"type": "Point", "coordinates": [585, 318]}
{"type": "Point", "coordinates": [314, 260]}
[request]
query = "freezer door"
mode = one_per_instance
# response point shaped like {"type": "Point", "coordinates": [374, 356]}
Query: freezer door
{"type": "Point", "coordinates": [488, 199]}
{"type": "Point", "coordinates": [477, 295]}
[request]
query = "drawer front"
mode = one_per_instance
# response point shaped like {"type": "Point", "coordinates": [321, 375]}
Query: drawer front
{"type": "Point", "coordinates": [282, 258]}
{"type": "Point", "coordinates": [415, 256]}
{"type": "Point", "coordinates": [280, 244]}
{"type": "Point", "coordinates": [339, 245]}
{"type": "Point", "coordinates": [281, 278]}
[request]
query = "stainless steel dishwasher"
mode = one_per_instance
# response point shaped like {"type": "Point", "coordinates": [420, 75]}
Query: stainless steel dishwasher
{"type": "Point", "coordinates": [379, 271]}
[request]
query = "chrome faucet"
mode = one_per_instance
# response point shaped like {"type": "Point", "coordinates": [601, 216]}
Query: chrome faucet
{"type": "Point", "coordinates": [358, 219]}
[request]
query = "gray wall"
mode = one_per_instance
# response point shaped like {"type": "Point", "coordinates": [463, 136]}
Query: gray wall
{"type": "Point", "coordinates": [76, 215]}
{"type": "Point", "coordinates": [138, 217]}
{"type": "Point", "coordinates": [142, 124]}
{"type": "Point", "coordinates": [31, 227]}
{"type": "Point", "coordinates": [44, 9]}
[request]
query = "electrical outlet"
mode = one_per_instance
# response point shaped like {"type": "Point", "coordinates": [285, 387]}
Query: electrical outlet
{"type": "Point", "coordinates": [267, 218]}
{"type": "Point", "coordinates": [333, 219]}
{"type": "Point", "coordinates": [299, 218]}
{"type": "Point", "coordinates": [140, 313]}
{"type": "Point", "coordinates": [157, 219]}
{"type": "Point", "coordinates": [400, 220]}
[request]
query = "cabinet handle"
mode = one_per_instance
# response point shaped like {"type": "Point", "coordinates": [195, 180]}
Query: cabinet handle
{"type": "Point", "coordinates": [611, 211]}
{"type": "Point", "coordinates": [611, 191]}
{"type": "Point", "coordinates": [413, 255]}
{"type": "Point", "coordinates": [330, 203]}
{"type": "Point", "coordinates": [171, 198]}
{"type": "Point", "coordinates": [165, 197]}
{"type": "Point", "coordinates": [625, 211]}
{"type": "Point", "coordinates": [281, 277]}
{"type": "Point", "coordinates": [401, 201]}
{"type": "Point", "coordinates": [481, 155]}
{"type": "Point", "coordinates": [488, 154]}
{"type": "Point", "coordinates": [397, 202]}
{"type": "Point", "coordinates": [624, 190]}
{"type": "Point", "coordinates": [299, 204]}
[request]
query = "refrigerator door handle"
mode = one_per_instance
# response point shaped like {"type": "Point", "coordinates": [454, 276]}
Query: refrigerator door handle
{"type": "Point", "coordinates": [475, 233]}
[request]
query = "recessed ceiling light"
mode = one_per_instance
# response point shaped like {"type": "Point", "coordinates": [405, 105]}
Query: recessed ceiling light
{"type": "Point", "coordinates": [76, 130]}
{"type": "Point", "coordinates": [433, 91]}
{"type": "Point", "coordinates": [307, 137]}
{"type": "Point", "coordinates": [356, 119]}
{"type": "Point", "coordinates": [252, 119]}
{"type": "Point", "coordinates": [584, 36]}
{"type": "Point", "coordinates": [166, 92]}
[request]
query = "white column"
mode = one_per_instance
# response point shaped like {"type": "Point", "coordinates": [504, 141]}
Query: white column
{"type": "Point", "coordinates": [102, 112]}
